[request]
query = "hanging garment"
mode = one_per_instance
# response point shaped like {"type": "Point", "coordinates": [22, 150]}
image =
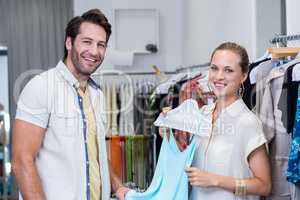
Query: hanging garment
{"type": "Point", "coordinates": [288, 100]}
{"type": "Point", "coordinates": [114, 110]}
{"type": "Point", "coordinates": [107, 94]}
{"type": "Point", "coordinates": [293, 171]}
{"type": "Point", "coordinates": [129, 110]}
{"type": "Point", "coordinates": [256, 67]}
{"type": "Point", "coordinates": [258, 70]}
{"type": "Point", "coordinates": [296, 192]}
{"type": "Point", "coordinates": [261, 75]}
{"type": "Point", "coordinates": [116, 159]}
{"type": "Point", "coordinates": [138, 161]}
{"type": "Point", "coordinates": [126, 126]}
{"type": "Point", "coordinates": [139, 109]}
{"type": "Point", "coordinates": [149, 145]}
{"type": "Point", "coordinates": [128, 156]}
{"type": "Point", "coordinates": [185, 117]}
{"type": "Point", "coordinates": [170, 181]}
{"type": "Point", "coordinates": [296, 73]}
{"type": "Point", "coordinates": [279, 141]}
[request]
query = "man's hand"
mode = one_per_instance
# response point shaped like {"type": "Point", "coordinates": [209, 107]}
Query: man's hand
{"type": "Point", "coordinates": [121, 192]}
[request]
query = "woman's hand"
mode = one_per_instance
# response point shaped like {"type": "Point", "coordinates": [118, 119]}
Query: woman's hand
{"type": "Point", "coordinates": [200, 178]}
{"type": "Point", "coordinates": [163, 130]}
{"type": "Point", "coordinates": [181, 137]}
{"type": "Point", "coordinates": [165, 110]}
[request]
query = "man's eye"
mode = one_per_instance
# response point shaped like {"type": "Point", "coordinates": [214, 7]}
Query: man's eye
{"type": "Point", "coordinates": [102, 45]}
{"type": "Point", "coordinates": [86, 42]}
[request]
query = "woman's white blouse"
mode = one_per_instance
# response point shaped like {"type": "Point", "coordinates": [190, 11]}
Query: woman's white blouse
{"type": "Point", "coordinates": [235, 134]}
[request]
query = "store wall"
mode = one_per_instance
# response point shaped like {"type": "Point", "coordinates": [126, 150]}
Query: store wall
{"type": "Point", "coordinates": [292, 19]}
{"type": "Point", "coordinates": [3, 25]}
{"type": "Point", "coordinates": [269, 19]}
{"type": "Point", "coordinates": [250, 23]}
{"type": "Point", "coordinates": [33, 31]}
{"type": "Point", "coordinates": [210, 23]}
{"type": "Point", "coordinates": [171, 16]}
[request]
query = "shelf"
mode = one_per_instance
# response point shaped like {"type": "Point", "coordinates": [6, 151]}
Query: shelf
{"type": "Point", "coordinates": [135, 28]}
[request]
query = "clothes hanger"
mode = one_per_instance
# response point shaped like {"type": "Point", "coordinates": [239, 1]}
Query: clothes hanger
{"type": "Point", "coordinates": [282, 52]}
{"type": "Point", "coordinates": [159, 74]}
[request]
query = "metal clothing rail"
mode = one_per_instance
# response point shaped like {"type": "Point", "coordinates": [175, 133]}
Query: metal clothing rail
{"type": "Point", "coordinates": [178, 70]}
{"type": "Point", "coordinates": [192, 67]}
{"type": "Point", "coordinates": [284, 38]}
{"type": "Point", "coordinates": [130, 73]}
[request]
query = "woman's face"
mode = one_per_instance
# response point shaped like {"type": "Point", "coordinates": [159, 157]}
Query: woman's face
{"type": "Point", "coordinates": [225, 74]}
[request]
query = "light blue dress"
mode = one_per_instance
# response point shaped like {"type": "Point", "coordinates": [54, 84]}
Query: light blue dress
{"type": "Point", "coordinates": [170, 181]}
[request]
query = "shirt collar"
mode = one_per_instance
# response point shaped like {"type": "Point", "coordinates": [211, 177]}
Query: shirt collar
{"type": "Point", "coordinates": [280, 70]}
{"type": "Point", "coordinates": [233, 110]}
{"type": "Point", "coordinates": [70, 78]}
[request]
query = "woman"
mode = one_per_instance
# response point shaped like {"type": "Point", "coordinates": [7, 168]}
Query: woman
{"type": "Point", "coordinates": [232, 162]}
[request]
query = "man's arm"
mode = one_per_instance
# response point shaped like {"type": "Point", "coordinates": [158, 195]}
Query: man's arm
{"type": "Point", "coordinates": [115, 180]}
{"type": "Point", "coordinates": [26, 142]}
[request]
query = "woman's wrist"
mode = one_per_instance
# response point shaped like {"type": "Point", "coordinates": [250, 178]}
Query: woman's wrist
{"type": "Point", "coordinates": [216, 181]}
{"type": "Point", "coordinates": [240, 187]}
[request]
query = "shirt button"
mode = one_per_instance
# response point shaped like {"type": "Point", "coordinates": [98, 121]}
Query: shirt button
{"type": "Point", "coordinates": [88, 184]}
{"type": "Point", "coordinates": [281, 69]}
{"type": "Point", "coordinates": [87, 162]}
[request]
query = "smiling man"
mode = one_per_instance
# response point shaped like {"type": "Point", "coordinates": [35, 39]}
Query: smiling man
{"type": "Point", "coordinates": [59, 150]}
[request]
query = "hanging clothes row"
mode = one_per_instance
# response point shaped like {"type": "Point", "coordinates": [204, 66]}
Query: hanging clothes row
{"type": "Point", "coordinates": [133, 158]}
{"type": "Point", "coordinates": [272, 94]}
{"type": "Point", "coordinates": [128, 110]}
{"type": "Point", "coordinates": [182, 86]}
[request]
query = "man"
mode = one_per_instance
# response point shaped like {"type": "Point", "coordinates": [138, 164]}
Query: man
{"type": "Point", "coordinates": [59, 150]}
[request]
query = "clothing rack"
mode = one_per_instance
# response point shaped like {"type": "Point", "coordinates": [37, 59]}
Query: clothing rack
{"type": "Point", "coordinates": [284, 39]}
{"type": "Point", "coordinates": [180, 69]}
{"type": "Point", "coordinates": [130, 73]}
{"type": "Point", "coordinates": [133, 157]}
{"type": "Point", "coordinates": [4, 157]}
{"type": "Point", "coordinates": [192, 67]}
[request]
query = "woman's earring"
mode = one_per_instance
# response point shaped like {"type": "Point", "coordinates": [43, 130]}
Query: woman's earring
{"type": "Point", "coordinates": [241, 90]}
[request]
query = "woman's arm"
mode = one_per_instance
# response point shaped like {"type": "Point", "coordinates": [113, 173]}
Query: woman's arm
{"type": "Point", "coordinates": [260, 184]}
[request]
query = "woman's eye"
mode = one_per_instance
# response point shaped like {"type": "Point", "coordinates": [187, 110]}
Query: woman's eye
{"type": "Point", "coordinates": [214, 68]}
{"type": "Point", "coordinates": [228, 70]}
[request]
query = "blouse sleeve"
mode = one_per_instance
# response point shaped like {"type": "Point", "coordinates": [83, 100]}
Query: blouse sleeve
{"type": "Point", "coordinates": [253, 136]}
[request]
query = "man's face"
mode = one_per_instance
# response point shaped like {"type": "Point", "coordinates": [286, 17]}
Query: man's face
{"type": "Point", "coordinates": [88, 49]}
